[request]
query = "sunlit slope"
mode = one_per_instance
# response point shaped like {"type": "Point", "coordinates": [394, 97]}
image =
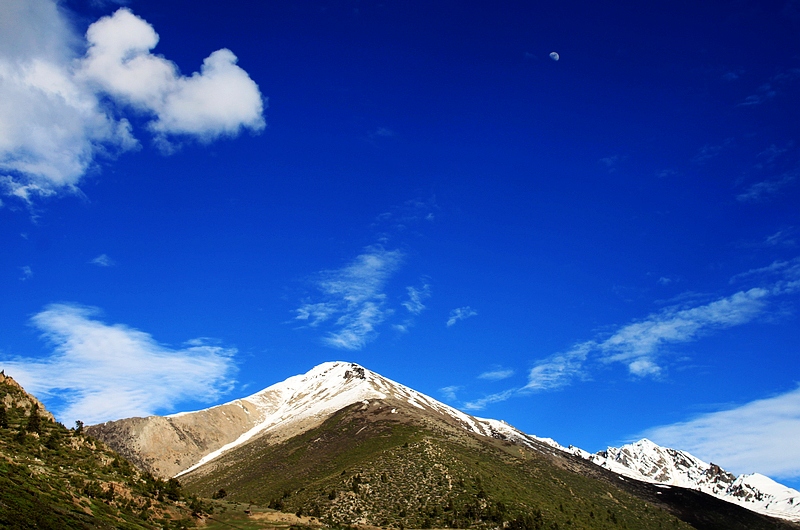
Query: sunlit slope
{"type": "Point", "coordinates": [56, 478]}
{"type": "Point", "coordinates": [369, 465]}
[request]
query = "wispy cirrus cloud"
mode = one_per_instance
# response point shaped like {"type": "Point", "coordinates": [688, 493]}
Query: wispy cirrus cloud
{"type": "Point", "coordinates": [612, 162]}
{"type": "Point", "coordinates": [460, 313]}
{"type": "Point", "coordinates": [638, 345]}
{"type": "Point", "coordinates": [709, 151]}
{"type": "Point", "coordinates": [496, 375]}
{"type": "Point", "coordinates": [776, 85]}
{"type": "Point", "coordinates": [102, 371]}
{"type": "Point", "coordinates": [480, 404]}
{"type": "Point", "coordinates": [560, 369]}
{"type": "Point", "coordinates": [769, 187]}
{"type": "Point", "coordinates": [353, 299]}
{"type": "Point", "coordinates": [60, 110]}
{"type": "Point", "coordinates": [27, 273]}
{"type": "Point", "coordinates": [402, 218]}
{"type": "Point", "coordinates": [758, 436]}
{"type": "Point", "coordinates": [416, 296]}
{"type": "Point", "coordinates": [787, 269]}
{"type": "Point", "coordinates": [103, 261]}
{"type": "Point", "coordinates": [782, 238]}
{"type": "Point", "coordinates": [449, 392]}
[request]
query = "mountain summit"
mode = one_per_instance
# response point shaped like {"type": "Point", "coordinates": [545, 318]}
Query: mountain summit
{"type": "Point", "coordinates": [353, 447]}
{"type": "Point", "coordinates": [176, 444]}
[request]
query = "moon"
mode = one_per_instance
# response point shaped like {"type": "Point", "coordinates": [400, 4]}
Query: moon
{"type": "Point", "coordinates": [554, 56]}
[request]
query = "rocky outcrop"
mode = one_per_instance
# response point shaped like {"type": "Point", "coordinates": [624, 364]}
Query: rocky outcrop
{"type": "Point", "coordinates": [23, 400]}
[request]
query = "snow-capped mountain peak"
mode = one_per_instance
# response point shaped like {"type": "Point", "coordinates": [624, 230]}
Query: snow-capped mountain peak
{"type": "Point", "coordinates": [649, 462]}
{"type": "Point", "coordinates": [180, 443]}
{"type": "Point", "coordinates": [291, 406]}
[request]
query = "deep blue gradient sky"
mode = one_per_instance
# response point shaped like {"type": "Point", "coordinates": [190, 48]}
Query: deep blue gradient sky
{"type": "Point", "coordinates": [594, 249]}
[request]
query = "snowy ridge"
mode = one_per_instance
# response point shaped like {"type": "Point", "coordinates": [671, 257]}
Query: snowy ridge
{"type": "Point", "coordinates": [649, 462]}
{"type": "Point", "coordinates": [305, 400]}
{"type": "Point", "coordinates": [329, 387]}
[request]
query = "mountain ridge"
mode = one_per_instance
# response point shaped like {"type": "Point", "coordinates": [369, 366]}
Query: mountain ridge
{"type": "Point", "coordinates": [647, 461]}
{"type": "Point", "coordinates": [182, 443]}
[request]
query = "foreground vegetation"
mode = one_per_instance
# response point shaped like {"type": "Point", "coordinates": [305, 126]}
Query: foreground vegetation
{"type": "Point", "coordinates": [59, 478]}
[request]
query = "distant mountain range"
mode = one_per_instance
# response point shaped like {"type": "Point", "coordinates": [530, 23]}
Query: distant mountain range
{"type": "Point", "coordinates": [352, 447]}
{"type": "Point", "coordinates": [649, 462]}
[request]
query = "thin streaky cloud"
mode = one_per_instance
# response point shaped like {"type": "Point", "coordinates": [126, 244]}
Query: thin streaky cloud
{"type": "Point", "coordinates": [612, 162]}
{"type": "Point", "coordinates": [352, 299]}
{"type": "Point", "coordinates": [102, 371]}
{"type": "Point", "coordinates": [480, 404]}
{"type": "Point", "coordinates": [637, 345]}
{"type": "Point", "coordinates": [758, 436]}
{"type": "Point", "coordinates": [496, 375]}
{"type": "Point", "coordinates": [776, 85]}
{"type": "Point", "coordinates": [765, 189]}
{"type": "Point", "coordinates": [765, 94]}
{"type": "Point", "coordinates": [707, 152]}
{"type": "Point", "coordinates": [782, 238]}
{"type": "Point", "coordinates": [786, 268]}
{"type": "Point", "coordinates": [460, 313]}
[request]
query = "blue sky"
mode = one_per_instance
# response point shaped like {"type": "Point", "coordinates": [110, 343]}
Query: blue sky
{"type": "Point", "coordinates": [201, 199]}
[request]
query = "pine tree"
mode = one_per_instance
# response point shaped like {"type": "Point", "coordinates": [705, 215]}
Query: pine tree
{"type": "Point", "coordinates": [34, 421]}
{"type": "Point", "coordinates": [3, 418]}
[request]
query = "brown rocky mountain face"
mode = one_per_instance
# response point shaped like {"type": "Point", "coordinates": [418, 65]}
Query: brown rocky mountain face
{"type": "Point", "coordinates": [166, 446]}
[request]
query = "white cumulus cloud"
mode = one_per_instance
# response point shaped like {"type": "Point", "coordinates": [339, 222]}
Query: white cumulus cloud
{"type": "Point", "coordinates": [221, 99]}
{"type": "Point", "coordinates": [51, 125]}
{"type": "Point", "coordinates": [60, 110]}
{"type": "Point", "coordinates": [103, 372]}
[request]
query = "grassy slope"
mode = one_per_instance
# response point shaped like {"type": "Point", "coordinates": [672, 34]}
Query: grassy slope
{"type": "Point", "coordinates": [58, 478]}
{"type": "Point", "coordinates": [371, 467]}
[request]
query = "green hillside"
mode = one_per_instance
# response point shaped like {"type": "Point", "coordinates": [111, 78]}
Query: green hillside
{"type": "Point", "coordinates": [367, 466]}
{"type": "Point", "coordinates": [56, 478]}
